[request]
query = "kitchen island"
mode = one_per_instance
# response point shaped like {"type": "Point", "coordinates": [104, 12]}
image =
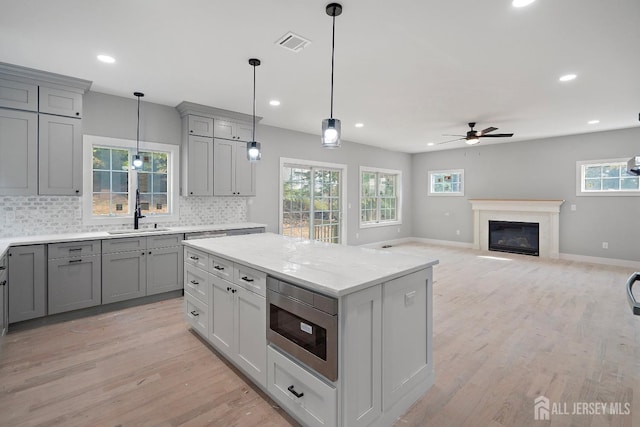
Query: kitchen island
{"type": "Point", "coordinates": [383, 313]}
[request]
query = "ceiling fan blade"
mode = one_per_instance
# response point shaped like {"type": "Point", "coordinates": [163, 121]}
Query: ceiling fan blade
{"type": "Point", "coordinates": [444, 142]}
{"type": "Point", "coordinates": [487, 130]}
{"type": "Point", "coordinates": [497, 135]}
{"type": "Point", "coordinates": [448, 134]}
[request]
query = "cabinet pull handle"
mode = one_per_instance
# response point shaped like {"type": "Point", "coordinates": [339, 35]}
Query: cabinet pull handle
{"type": "Point", "coordinates": [246, 279]}
{"type": "Point", "coordinates": [233, 291]}
{"type": "Point", "coordinates": [2, 267]}
{"type": "Point", "coordinates": [195, 313]}
{"type": "Point", "coordinates": [74, 249]}
{"type": "Point", "coordinates": [217, 267]}
{"type": "Point", "coordinates": [74, 260]}
{"type": "Point", "coordinates": [295, 393]}
{"type": "Point", "coordinates": [4, 282]}
{"type": "Point", "coordinates": [228, 288]}
{"type": "Point", "coordinates": [195, 283]}
{"type": "Point", "coordinates": [195, 258]}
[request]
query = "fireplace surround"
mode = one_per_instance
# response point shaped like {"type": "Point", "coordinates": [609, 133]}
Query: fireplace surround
{"type": "Point", "coordinates": [546, 213]}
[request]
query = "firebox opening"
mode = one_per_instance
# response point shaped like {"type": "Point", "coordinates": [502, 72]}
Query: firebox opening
{"type": "Point", "coordinates": [514, 237]}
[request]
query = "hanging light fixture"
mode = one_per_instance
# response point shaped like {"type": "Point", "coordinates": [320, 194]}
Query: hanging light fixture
{"type": "Point", "coordinates": [331, 126]}
{"type": "Point", "coordinates": [137, 160]}
{"type": "Point", "coordinates": [253, 148]}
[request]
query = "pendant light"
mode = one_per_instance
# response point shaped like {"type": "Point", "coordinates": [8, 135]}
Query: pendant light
{"type": "Point", "coordinates": [137, 160]}
{"type": "Point", "coordinates": [253, 148]}
{"type": "Point", "coordinates": [331, 126]}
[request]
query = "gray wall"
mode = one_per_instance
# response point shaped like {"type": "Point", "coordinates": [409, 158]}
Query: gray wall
{"type": "Point", "coordinates": [540, 169]}
{"type": "Point", "coordinates": [116, 117]}
{"type": "Point", "coordinates": [277, 142]}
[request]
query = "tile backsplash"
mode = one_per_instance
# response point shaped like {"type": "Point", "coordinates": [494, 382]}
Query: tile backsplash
{"type": "Point", "coordinates": [31, 215]}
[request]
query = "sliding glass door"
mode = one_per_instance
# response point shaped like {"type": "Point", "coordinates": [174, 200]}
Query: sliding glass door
{"type": "Point", "coordinates": [311, 201]}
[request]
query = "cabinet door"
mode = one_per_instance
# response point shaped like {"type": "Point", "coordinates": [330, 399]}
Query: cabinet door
{"type": "Point", "coordinates": [223, 167]}
{"type": "Point", "coordinates": [28, 282]}
{"type": "Point", "coordinates": [19, 96]}
{"type": "Point", "coordinates": [243, 132]}
{"type": "Point", "coordinates": [250, 331]}
{"type": "Point", "coordinates": [18, 153]}
{"type": "Point", "coordinates": [60, 156]}
{"type": "Point", "coordinates": [200, 126]}
{"type": "Point", "coordinates": [245, 172]}
{"type": "Point", "coordinates": [4, 321]}
{"type": "Point", "coordinates": [223, 129]}
{"type": "Point", "coordinates": [74, 283]}
{"type": "Point", "coordinates": [199, 166]}
{"type": "Point", "coordinates": [221, 333]}
{"type": "Point", "coordinates": [124, 276]}
{"type": "Point", "coordinates": [60, 102]}
{"type": "Point", "coordinates": [164, 270]}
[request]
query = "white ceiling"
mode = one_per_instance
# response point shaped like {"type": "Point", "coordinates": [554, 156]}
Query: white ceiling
{"type": "Point", "coordinates": [410, 70]}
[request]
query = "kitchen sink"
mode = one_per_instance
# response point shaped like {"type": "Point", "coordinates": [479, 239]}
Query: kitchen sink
{"type": "Point", "coordinates": [146, 230]}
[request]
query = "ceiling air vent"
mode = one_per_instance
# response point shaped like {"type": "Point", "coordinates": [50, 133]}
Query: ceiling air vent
{"type": "Point", "coordinates": [293, 42]}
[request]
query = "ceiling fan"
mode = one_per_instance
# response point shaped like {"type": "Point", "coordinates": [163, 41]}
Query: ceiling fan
{"type": "Point", "coordinates": [473, 136]}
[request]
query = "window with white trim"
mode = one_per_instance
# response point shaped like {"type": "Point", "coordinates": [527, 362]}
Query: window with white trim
{"type": "Point", "coordinates": [446, 182]}
{"type": "Point", "coordinates": [380, 191]}
{"type": "Point", "coordinates": [111, 182]}
{"type": "Point", "coordinates": [605, 177]}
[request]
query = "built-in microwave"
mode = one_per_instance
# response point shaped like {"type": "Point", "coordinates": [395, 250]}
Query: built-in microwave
{"type": "Point", "coordinates": [303, 324]}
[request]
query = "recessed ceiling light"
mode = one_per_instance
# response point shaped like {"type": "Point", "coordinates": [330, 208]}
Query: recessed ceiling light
{"type": "Point", "coordinates": [567, 77]}
{"type": "Point", "coordinates": [107, 59]}
{"type": "Point", "coordinates": [274, 102]}
{"type": "Point", "coordinates": [521, 3]}
{"type": "Point", "coordinates": [593, 122]}
{"type": "Point", "coordinates": [359, 125]}
{"type": "Point", "coordinates": [430, 144]}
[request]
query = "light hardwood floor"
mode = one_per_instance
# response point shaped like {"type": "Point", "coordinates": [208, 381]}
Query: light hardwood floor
{"type": "Point", "coordinates": [507, 329]}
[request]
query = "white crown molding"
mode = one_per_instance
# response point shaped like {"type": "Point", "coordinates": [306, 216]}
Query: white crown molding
{"type": "Point", "coordinates": [37, 77]}
{"type": "Point", "coordinates": [186, 108]}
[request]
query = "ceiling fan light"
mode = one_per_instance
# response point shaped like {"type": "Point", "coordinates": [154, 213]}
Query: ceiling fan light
{"type": "Point", "coordinates": [253, 151]}
{"type": "Point", "coordinates": [472, 141]}
{"type": "Point", "coordinates": [331, 133]}
{"type": "Point", "coordinates": [521, 3]}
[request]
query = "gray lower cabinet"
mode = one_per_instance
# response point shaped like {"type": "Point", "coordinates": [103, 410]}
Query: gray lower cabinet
{"type": "Point", "coordinates": [124, 276]}
{"type": "Point", "coordinates": [74, 276]}
{"type": "Point", "coordinates": [139, 266]}
{"type": "Point", "coordinates": [27, 282]}
{"type": "Point", "coordinates": [4, 297]}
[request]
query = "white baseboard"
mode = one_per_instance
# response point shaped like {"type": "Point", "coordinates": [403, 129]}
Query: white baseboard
{"type": "Point", "coordinates": [600, 260]}
{"type": "Point", "coordinates": [569, 257]}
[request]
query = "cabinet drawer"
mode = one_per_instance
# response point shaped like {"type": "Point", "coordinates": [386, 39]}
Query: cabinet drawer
{"type": "Point", "coordinates": [124, 244]}
{"type": "Point", "coordinates": [164, 241]}
{"type": "Point", "coordinates": [196, 258]}
{"type": "Point", "coordinates": [21, 96]}
{"type": "Point", "coordinates": [196, 314]}
{"type": "Point", "coordinates": [197, 283]}
{"type": "Point", "coordinates": [60, 102]}
{"type": "Point", "coordinates": [74, 249]}
{"type": "Point", "coordinates": [221, 267]}
{"type": "Point", "coordinates": [313, 401]}
{"type": "Point", "coordinates": [250, 279]}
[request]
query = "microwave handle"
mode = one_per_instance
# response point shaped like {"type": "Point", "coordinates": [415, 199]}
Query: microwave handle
{"type": "Point", "coordinates": [635, 306]}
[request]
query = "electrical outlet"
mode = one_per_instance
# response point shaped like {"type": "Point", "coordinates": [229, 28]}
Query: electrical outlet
{"type": "Point", "coordinates": [357, 235]}
{"type": "Point", "coordinates": [458, 232]}
{"type": "Point", "coordinates": [605, 245]}
{"type": "Point", "coordinates": [573, 207]}
{"type": "Point", "coordinates": [398, 229]}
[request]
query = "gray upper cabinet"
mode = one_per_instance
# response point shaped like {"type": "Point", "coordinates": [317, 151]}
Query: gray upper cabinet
{"type": "Point", "coordinates": [18, 153]}
{"type": "Point", "coordinates": [74, 280]}
{"type": "Point", "coordinates": [60, 102]}
{"type": "Point", "coordinates": [27, 282]}
{"type": "Point", "coordinates": [200, 126]}
{"type": "Point", "coordinates": [233, 174]}
{"type": "Point", "coordinates": [60, 156]}
{"type": "Point", "coordinates": [197, 164]}
{"type": "Point", "coordinates": [19, 96]}
{"type": "Point", "coordinates": [233, 130]}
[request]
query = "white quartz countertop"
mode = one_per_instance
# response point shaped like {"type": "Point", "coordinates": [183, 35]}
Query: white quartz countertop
{"type": "Point", "coordinates": [102, 235]}
{"type": "Point", "coordinates": [331, 269]}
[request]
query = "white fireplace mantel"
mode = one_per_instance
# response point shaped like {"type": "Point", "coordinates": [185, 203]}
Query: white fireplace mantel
{"type": "Point", "coordinates": [544, 212]}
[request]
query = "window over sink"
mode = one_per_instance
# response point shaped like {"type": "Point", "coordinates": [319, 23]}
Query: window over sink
{"type": "Point", "coordinates": [110, 181]}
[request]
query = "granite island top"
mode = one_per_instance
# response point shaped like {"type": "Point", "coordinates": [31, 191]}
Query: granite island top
{"type": "Point", "coordinates": [5, 243]}
{"type": "Point", "coordinates": [331, 269]}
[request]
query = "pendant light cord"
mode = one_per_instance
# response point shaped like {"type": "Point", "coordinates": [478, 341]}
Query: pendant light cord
{"type": "Point", "coordinates": [138, 129]}
{"type": "Point", "coordinates": [333, 46]}
{"type": "Point", "coordinates": [254, 104]}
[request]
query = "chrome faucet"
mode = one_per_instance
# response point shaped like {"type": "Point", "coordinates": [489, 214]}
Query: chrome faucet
{"type": "Point", "coordinates": [137, 214]}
